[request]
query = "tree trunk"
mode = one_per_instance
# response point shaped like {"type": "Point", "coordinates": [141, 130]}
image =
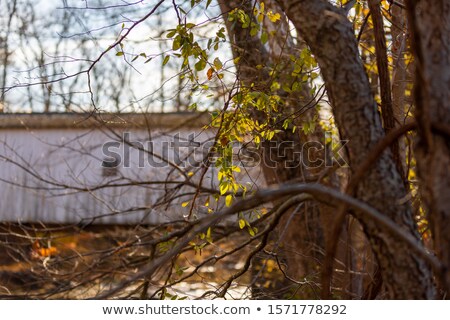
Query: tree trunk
{"type": "Point", "coordinates": [332, 41]}
{"type": "Point", "coordinates": [387, 111]}
{"type": "Point", "coordinates": [430, 23]}
{"type": "Point", "coordinates": [399, 78]}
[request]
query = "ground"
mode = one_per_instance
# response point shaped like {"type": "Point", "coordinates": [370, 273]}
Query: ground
{"type": "Point", "coordinates": [70, 262]}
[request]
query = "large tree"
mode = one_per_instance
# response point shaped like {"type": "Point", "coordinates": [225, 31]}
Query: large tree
{"type": "Point", "coordinates": [330, 36]}
{"type": "Point", "coordinates": [430, 27]}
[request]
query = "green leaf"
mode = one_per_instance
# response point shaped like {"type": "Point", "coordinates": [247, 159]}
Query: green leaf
{"type": "Point", "coordinates": [357, 8]}
{"type": "Point", "coordinates": [176, 43]}
{"type": "Point", "coordinates": [120, 53]}
{"type": "Point", "coordinates": [171, 33]}
{"type": "Point", "coordinates": [166, 59]}
{"type": "Point", "coordinates": [193, 106]}
{"type": "Point", "coordinates": [221, 33]}
{"type": "Point", "coordinates": [245, 19]}
{"type": "Point", "coordinates": [208, 3]}
{"type": "Point", "coordinates": [274, 86]}
{"type": "Point", "coordinates": [218, 64]}
{"type": "Point", "coordinates": [264, 38]}
{"type": "Point", "coordinates": [200, 65]}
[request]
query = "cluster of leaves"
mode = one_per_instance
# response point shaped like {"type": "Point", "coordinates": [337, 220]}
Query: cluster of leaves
{"type": "Point", "coordinates": [255, 25]}
{"type": "Point", "coordinates": [185, 47]}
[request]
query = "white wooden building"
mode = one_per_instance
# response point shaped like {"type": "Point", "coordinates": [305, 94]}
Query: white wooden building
{"type": "Point", "coordinates": [76, 168]}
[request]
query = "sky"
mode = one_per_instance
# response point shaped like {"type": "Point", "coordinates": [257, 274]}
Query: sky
{"type": "Point", "coordinates": [56, 39]}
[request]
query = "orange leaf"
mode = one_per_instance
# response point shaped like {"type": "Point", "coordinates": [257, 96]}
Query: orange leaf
{"type": "Point", "coordinates": [209, 74]}
{"type": "Point", "coordinates": [47, 252]}
{"type": "Point", "coordinates": [224, 141]}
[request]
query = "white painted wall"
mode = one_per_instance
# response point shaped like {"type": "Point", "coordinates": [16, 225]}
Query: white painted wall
{"type": "Point", "coordinates": [73, 157]}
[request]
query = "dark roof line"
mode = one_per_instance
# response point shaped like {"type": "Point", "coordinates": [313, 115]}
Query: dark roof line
{"type": "Point", "coordinates": [98, 120]}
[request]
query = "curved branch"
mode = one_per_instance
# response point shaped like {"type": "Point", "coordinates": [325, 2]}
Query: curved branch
{"type": "Point", "coordinates": [321, 193]}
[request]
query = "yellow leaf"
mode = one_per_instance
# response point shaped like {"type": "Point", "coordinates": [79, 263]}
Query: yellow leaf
{"type": "Point", "coordinates": [260, 17]}
{"type": "Point", "coordinates": [224, 188]}
{"type": "Point", "coordinates": [242, 223]}
{"type": "Point", "coordinates": [208, 237]}
{"type": "Point", "coordinates": [274, 17]}
{"type": "Point", "coordinates": [190, 174]}
{"type": "Point", "coordinates": [184, 204]}
{"type": "Point", "coordinates": [228, 200]}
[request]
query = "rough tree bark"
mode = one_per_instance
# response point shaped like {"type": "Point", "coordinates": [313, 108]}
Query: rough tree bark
{"type": "Point", "coordinates": [430, 24]}
{"type": "Point", "coordinates": [399, 72]}
{"type": "Point", "coordinates": [387, 111]}
{"type": "Point", "coordinates": [330, 36]}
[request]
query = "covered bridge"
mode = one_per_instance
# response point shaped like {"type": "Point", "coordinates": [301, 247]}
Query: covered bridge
{"type": "Point", "coordinates": [107, 168]}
